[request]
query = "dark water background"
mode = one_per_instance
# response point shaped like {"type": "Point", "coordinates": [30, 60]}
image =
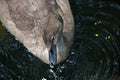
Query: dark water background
{"type": "Point", "coordinates": [95, 54]}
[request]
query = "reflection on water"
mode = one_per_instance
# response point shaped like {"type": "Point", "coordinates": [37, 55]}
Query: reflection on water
{"type": "Point", "coordinates": [95, 54]}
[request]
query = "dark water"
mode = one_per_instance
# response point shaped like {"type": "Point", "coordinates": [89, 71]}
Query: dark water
{"type": "Point", "coordinates": [95, 54]}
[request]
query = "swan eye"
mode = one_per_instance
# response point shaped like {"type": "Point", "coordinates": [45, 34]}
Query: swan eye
{"type": "Point", "coordinates": [53, 40]}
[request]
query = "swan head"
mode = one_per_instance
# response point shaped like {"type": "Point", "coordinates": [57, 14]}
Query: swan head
{"type": "Point", "coordinates": [55, 41]}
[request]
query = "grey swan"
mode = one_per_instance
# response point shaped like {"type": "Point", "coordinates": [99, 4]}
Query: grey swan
{"type": "Point", "coordinates": [45, 27]}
